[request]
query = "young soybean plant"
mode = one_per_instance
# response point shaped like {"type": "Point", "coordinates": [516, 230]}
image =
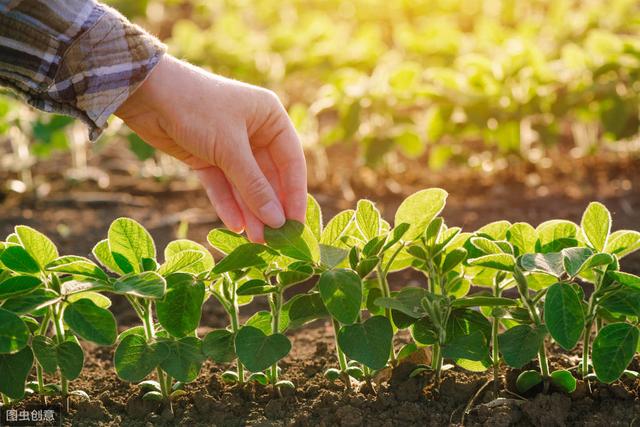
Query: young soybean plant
{"type": "Point", "coordinates": [249, 270]}
{"type": "Point", "coordinates": [48, 292]}
{"type": "Point", "coordinates": [172, 291]}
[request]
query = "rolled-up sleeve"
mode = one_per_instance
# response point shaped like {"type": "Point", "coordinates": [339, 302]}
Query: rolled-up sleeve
{"type": "Point", "coordinates": [74, 57]}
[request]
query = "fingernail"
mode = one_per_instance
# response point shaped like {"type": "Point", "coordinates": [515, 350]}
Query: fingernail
{"type": "Point", "coordinates": [272, 215]}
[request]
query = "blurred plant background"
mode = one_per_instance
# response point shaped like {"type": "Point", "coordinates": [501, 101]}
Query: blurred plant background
{"type": "Point", "coordinates": [440, 83]}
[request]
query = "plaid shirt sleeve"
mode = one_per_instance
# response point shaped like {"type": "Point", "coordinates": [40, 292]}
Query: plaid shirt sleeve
{"type": "Point", "coordinates": [74, 57]}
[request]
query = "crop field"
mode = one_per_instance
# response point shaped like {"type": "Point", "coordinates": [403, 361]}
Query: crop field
{"type": "Point", "coordinates": [470, 254]}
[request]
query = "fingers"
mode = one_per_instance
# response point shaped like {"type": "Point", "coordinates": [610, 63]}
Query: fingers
{"type": "Point", "coordinates": [288, 157]}
{"type": "Point", "coordinates": [221, 196]}
{"type": "Point", "coordinates": [253, 226]}
{"type": "Point", "coordinates": [252, 186]}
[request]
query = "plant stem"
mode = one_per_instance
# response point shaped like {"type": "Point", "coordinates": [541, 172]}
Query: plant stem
{"type": "Point", "coordinates": [42, 331]}
{"type": "Point", "coordinates": [342, 359]}
{"type": "Point", "coordinates": [542, 352]}
{"type": "Point", "coordinates": [275, 300]}
{"type": "Point", "coordinates": [56, 314]}
{"type": "Point", "coordinates": [235, 326]}
{"type": "Point", "coordinates": [495, 352]}
{"type": "Point", "coordinates": [386, 292]}
{"type": "Point", "coordinates": [436, 363]}
{"type": "Point", "coordinates": [589, 325]}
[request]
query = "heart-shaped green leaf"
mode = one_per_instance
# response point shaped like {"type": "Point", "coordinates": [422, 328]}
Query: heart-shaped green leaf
{"type": "Point", "coordinates": [341, 292]}
{"type": "Point", "coordinates": [563, 315]}
{"type": "Point", "coordinates": [520, 344]}
{"type": "Point", "coordinates": [596, 225]}
{"type": "Point", "coordinates": [14, 333]}
{"type": "Point", "coordinates": [304, 308]}
{"type": "Point", "coordinates": [180, 310]}
{"type": "Point", "coordinates": [527, 380]}
{"type": "Point", "coordinates": [219, 345]}
{"type": "Point", "coordinates": [129, 240]}
{"type": "Point", "coordinates": [18, 285]}
{"type": "Point", "coordinates": [613, 349]}
{"type": "Point", "coordinates": [368, 219]}
{"type": "Point", "coordinates": [258, 351]}
{"type": "Point", "coordinates": [368, 342]}
{"type": "Point", "coordinates": [185, 359]}
{"type": "Point", "coordinates": [37, 244]}
{"type": "Point", "coordinates": [17, 259]}
{"type": "Point", "coordinates": [134, 358]}
{"type": "Point", "coordinates": [147, 284]}
{"type": "Point", "coordinates": [15, 369]}
{"type": "Point", "coordinates": [419, 209]}
{"type": "Point", "coordinates": [91, 322]}
{"type": "Point", "coordinates": [294, 240]}
{"type": "Point", "coordinates": [70, 359]}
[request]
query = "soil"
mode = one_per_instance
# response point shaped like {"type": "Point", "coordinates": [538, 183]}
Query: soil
{"type": "Point", "coordinates": [77, 215]}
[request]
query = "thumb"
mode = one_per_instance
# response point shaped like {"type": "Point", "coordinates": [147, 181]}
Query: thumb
{"type": "Point", "coordinates": [254, 188]}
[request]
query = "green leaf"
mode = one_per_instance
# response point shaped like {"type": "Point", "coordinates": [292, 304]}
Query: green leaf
{"type": "Point", "coordinates": [304, 308]}
{"type": "Point", "coordinates": [244, 256]}
{"type": "Point", "coordinates": [625, 279]}
{"type": "Point", "coordinates": [103, 254]}
{"type": "Point", "coordinates": [555, 235]}
{"type": "Point", "coordinates": [523, 237]}
{"type": "Point", "coordinates": [148, 284]}
{"type": "Point", "coordinates": [261, 320]}
{"type": "Point", "coordinates": [18, 285]}
{"type": "Point", "coordinates": [134, 358]}
{"type": "Point", "coordinates": [295, 274]}
{"type": "Point", "coordinates": [369, 342]}
{"type": "Point", "coordinates": [337, 227]}
{"type": "Point", "coordinates": [31, 302]}
{"type": "Point", "coordinates": [219, 345]}
{"type": "Point", "coordinates": [472, 346]}
{"type": "Point", "coordinates": [91, 322]}
{"type": "Point", "coordinates": [483, 301]}
{"type": "Point", "coordinates": [563, 315]}
{"type": "Point", "coordinates": [180, 310]}
{"type": "Point", "coordinates": [468, 333]}
{"type": "Point", "coordinates": [579, 260]}
{"type": "Point", "coordinates": [70, 359]}
{"type": "Point", "coordinates": [564, 380]}
{"type": "Point", "coordinates": [255, 287]}
{"type": "Point", "coordinates": [258, 351]}
{"type": "Point", "coordinates": [424, 332]}
{"type": "Point", "coordinates": [368, 219]}
{"type": "Point", "coordinates": [503, 262]}
{"type": "Point", "coordinates": [596, 225]}
{"type": "Point", "coordinates": [331, 256]}
{"type": "Point", "coordinates": [225, 241]}
{"type": "Point", "coordinates": [37, 244]}
{"type": "Point", "coordinates": [182, 262]}
{"type": "Point", "coordinates": [520, 344]}
{"type": "Point", "coordinates": [496, 230]}
{"type": "Point", "coordinates": [14, 333]}
{"type": "Point", "coordinates": [45, 351]}
{"type": "Point", "coordinates": [407, 300]}
{"type": "Point", "coordinates": [185, 359]}
{"type": "Point", "coordinates": [78, 266]}
{"type": "Point", "coordinates": [550, 263]}
{"type": "Point", "coordinates": [622, 243]}
{"type": "Point", "coordinates": [625, 301]}
{"type": "Point", "coordinates": [613, 350]}
{"type": "Point", "coordinates": [527, 380]}
{"type": "Point", "coordinates": [341, 292]}
{"type": "Point", "coordinates": [15, 369]}
{"type": "Point", "coordinates": [98, 299]}
{"type": "Point", "coordinates": [314, 217]}
{"type": "Point", "coordinates": [130, 241]}
{"type": "Point", "coordinates": [419, 209]}
{"type": "Point", "coordinates": [294, 240]}
{"type": "Point", "coordinates": [17, 259]}
{"type": "Point", "coordinates": [486, 246]}
{"type": "Point", "coordinates": [182, 245]}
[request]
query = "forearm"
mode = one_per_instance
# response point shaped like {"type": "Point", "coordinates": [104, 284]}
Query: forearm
{"type": "Point", "coordinates": [74, 57]}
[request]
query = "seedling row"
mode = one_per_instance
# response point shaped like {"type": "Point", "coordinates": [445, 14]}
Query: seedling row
{"type": "Point", "coordinates": [489, 298]}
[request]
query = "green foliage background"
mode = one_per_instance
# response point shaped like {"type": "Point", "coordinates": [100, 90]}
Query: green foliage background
{"type": "Point", "coordinates": [443, 76]}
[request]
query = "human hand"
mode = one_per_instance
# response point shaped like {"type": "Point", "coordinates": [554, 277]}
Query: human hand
{"type": "Point", "coordinates": [237, 137]}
